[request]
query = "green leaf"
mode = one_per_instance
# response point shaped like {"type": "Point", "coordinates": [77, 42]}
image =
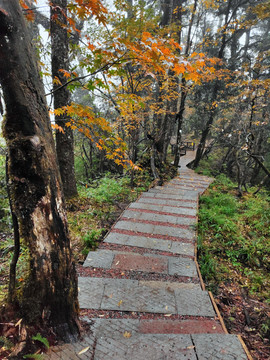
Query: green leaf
{"type": "Point", "coordinates": [41, 339]}
{"type": "Point", "coordinates": [34, 356]}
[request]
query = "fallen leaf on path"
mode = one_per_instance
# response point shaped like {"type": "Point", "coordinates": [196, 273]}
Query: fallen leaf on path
{"type": "Point", "coordinates": [127, 334]}
{"type": "Point", "coordinates": [120, 302]}
{"type": "Point", "coordinates": [84, 350]}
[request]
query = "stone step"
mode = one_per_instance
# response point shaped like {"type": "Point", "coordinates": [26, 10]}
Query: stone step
{"type": "Point", "coordinates": [178, 189]}
{"type": "Point", "coordinates": [150, 297]}
{"type": "Point", "coordinates": [150, 216]}
{"type": "Point", "coordinates": [192, 177]}
{"type": "Point", "coordinates": [190, 195]}
{"type": "Point", "coordinates": [167, 202]}
{"type": "Point", "coordinates": [152, 243]}
{"type": "Point", "coordinates": [173, 190]}
{"type": "Point", "coordinates": [187, 182]}
{"type": "Point", "coordinates": [146, 228]}
{"type": "Point", "coordinates": [122, 344]}
{"type": "Point", "coordinates": [169, 265]}
{"type": "Point", "coordinates": [186, 187]}
{"type": "Point", "coordinates": [117, 327]}
{"type": "Point", "coordinates": [189, 210]}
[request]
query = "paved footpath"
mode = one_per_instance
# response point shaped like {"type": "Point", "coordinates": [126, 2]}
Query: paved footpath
{"type": "Point", "coordinates": [141, 291]}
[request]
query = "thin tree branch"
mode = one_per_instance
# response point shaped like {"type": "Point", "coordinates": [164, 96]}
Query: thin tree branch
{"type": "Point", "coordinates": [78, 78]}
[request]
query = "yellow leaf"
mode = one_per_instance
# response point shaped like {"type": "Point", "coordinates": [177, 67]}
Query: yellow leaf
{"type": "Point", "coordinates": [57, 81]}
{"type": "Point", "coordinates": [127, 334]}
{"type": "Point", "coordinates": [19, 322]}
{"type": "Point", "coordinates": [120, 302]}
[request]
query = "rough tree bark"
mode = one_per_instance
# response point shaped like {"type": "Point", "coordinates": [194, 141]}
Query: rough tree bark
{"type": "Point", "coordinates": [50, 291]}
{"type": "Point", "coordinates": [60, 60]}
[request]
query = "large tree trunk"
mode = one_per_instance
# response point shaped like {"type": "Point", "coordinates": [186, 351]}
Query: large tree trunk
{"type": "Point", "coordinates": [60, 61]}
{"type": "Point", "coordinates": [50, 291]}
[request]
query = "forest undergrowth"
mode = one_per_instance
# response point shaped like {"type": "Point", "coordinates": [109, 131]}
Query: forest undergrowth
{"type": "Point", "coordinates": [234, 258]}
{"type": "Point", "coordinates": [90, 215]}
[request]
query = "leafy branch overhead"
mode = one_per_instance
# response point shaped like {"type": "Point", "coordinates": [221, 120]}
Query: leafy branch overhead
{"type": "Point", "coordinates": [125, 68]}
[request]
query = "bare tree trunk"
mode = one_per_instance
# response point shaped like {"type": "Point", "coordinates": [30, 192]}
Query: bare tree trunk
{"type": "Point", "coordinates": [180, 115]}
{"type": "Point", "coordinates": [60, 61]}
{"type": "Point", "coordinates": [199, 153]}
{"type": "Point", "coordinates": [153, 165]}
{"type": "Point", "coordinates": [50, 291]}
{"type": "Point", "coordinates": [200, 149]}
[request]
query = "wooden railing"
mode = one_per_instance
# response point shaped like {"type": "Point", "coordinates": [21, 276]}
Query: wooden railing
{"type": "Point", "coordinates": [190, 145]}
{"type": "Point", "coordinates": [184, 146]}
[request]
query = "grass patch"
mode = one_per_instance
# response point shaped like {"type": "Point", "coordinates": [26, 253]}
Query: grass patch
{"type": "Point", "coordinates": [97, 207]}
{"type": "Point", "coordinates": [234, 258]}
{"type": "Point", "coordinates": [234, 237]}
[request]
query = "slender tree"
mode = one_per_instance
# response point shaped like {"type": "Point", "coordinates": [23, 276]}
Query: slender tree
{"type": "Point", "coordinates": [60, 64]}
{"type": "Point", "coordinates": [49, 293]}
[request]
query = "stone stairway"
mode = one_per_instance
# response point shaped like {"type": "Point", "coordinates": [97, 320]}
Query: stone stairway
{"type": "Point", "coordinates": [141, 292]}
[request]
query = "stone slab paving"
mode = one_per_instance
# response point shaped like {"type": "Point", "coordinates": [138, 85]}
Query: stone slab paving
{"type": "Point", "coordinates": [130, 295]}
{"type": "Point", "coordinates": [218, 347]}
{"type": "Point", "coordinates": [173, 190]}
{"type": "Point", "coordinates": [99, 259]}
{"type": "Point", "coordinates": [191, 195]}
{"type": "Point", "coordinates": [144, 346]}
{"type": "Point", "coordinates": [117, 327]}
{"type": "Point", "coordinates": [167, 202]}
{"type": "Point", "coordinates": [108, 259]}
{"type": "Point", "coordinates": [152, 243]}
{"type": "Point", "coordinates": [177, 220]}
{"type": "Point", "coordinates": [110, 343]}
{"type": "Point", "coordinates": [173, 210]}
{"type": "Point", "coordinates": [155, 229]}
{"type": "Point", "coordinates": [176, 320]}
